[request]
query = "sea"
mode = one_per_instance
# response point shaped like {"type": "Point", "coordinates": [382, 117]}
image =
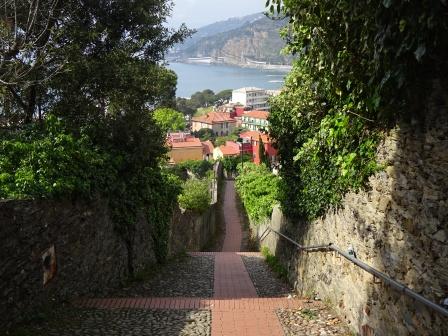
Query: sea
{"type": "Point", "coordinates": [198, 77]}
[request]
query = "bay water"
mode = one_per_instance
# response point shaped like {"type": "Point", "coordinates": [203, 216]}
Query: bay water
{"type": "Point", "coordinates": [198, 77]}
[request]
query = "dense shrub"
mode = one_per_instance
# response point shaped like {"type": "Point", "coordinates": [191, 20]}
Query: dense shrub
{"type": "Point", "coordinates": [258, 189]}
{"type": "Point", "coordinates": [198, 167]}
{"type": "Point", "coordinates": [52, 163]}
{"type": "Point", "coordinates": [195, 195]}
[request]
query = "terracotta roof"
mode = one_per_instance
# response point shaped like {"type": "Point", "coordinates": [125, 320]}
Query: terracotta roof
{"type": "Point", "coordinates": [257, 114]}
{"type": "Point", "coordinates": [189, 142]}
{"type": "Point", "coordinates": [229, 150]}
{"type": "Point", "coordinates": [255, 135]}
{"type": "Point", "coordinates": [214, 118]}
{"type": "Point", "coordinates": [208, 147]}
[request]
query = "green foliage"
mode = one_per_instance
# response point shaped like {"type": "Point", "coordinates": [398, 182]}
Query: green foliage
{"type": "Point", "coordinates": [169, 119]}
{"type": "Point", "coordinates": [258, 189]}
{"type": "Point", "coordinates": [205, 134]}
{"type": "Point", "coordinates": [360, 65]}
{"type": "Point", "coordinates": [274, 264]}
{"type": "Point", "coordinates": [97, 66]}
{"type": "Point", "coordinates": [202, 99]}
{"type": "Point", "coordinates": [221, 140]}
{"type": "Point", "coordinates": [195, 195]}
{"type": "Point", "coordinates": [384, 55]}
{"type": "Point", "coordinates": [308, 314]}
{"type": "Point", "coordinates": [230, 163]}
{"type": "Point", "coordinates": [50, 162]}
{"type": "Point", "coordinates": [199, 168]}
{"type": "Point", "coordinates": [264, 158]}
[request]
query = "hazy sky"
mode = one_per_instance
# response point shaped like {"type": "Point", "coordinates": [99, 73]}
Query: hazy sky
{"type": "Point", "coordinates": [198, 13]}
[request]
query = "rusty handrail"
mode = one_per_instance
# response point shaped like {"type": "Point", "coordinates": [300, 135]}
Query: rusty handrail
{"type": "Point", "coordinates": [384, 277]}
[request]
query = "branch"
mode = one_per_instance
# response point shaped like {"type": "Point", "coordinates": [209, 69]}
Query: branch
{"type": "Point", "coordinates": [18, 98]}
{"type": "Point", "coordinates": [356, 114]}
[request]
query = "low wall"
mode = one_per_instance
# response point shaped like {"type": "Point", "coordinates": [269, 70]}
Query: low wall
{"type": "Point", "coordinates": [399, 225]}
{"type": "Point", "coordinates": [90, 256]}
{"type": "Point", "coordinates": [190, 231]}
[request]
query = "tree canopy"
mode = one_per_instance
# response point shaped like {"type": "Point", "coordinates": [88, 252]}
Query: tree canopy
{"type": "Point", "coordinates": [202, 99]}
{"type": "Point", "coordinates": [79, 81]}
{"type": "Point", "coordinates": [169, 119]}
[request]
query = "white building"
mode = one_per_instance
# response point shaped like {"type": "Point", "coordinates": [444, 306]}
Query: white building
{"type": "Point", "coordinates": [252, 97]}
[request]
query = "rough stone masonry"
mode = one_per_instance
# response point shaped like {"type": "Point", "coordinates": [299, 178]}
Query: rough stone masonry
{"type": "Point", "coordinates": [398, 225]}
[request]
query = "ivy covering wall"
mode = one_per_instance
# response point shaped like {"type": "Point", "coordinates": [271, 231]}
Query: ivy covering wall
{"type": "Point", "coordinates": [360, 66]}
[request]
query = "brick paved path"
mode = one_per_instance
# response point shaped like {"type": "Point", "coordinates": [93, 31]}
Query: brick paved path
{"type": "Point", "coordinates": [234, 234]}
{"type": "Point", "coordinates": [235, 306]}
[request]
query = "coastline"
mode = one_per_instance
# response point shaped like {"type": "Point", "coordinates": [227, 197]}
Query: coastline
{"type": "Point", "coordinates": [260, 66]}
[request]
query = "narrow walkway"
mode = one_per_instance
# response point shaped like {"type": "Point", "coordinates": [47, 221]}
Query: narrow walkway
{"type": "Point", "coordinates": [234, 234]}
{"type": "Point", "coordinates": [232, 281]}
{"type": "Point", "coordinates": [235, 308]}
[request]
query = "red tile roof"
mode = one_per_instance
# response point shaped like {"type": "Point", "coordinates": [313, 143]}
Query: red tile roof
{"type": "Point", "coordinates": [257, 114]}
{"type": "Point", "coordinates": [189, 142]}
{"type": "Point", "coordinates": [229, 150]}
{"type": "Point", "coordinates": [214, 118]}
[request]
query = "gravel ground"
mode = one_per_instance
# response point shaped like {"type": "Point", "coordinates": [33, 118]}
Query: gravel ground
{"type": "Point", "coordinates": [311, 321]}
{"type": "Point", "coordinates": [265, 281]}
{"type": "Point", "coordinates": [129, 322]}
{"type": "Point", "coordinates": [187, 277]}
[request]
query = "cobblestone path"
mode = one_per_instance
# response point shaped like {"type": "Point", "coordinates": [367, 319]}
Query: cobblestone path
{"type": "Point", "coordinates": [229, 293]}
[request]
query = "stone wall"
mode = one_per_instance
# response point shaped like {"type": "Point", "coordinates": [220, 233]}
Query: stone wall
{"type": "Point", "coordinates": [90, 256]}
{"type": "Point", "coordinates": [399, 225]}
{"type": "Point", "coordinates": [191, 231]}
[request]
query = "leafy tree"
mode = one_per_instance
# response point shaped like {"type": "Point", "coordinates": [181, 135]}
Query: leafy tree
{"type": "Point", "coordinates": [230, 163]}
{"type": "Point", "coordinates": [84, 58]}
{"type": "Point", "coordinates": [184, 105]}
{"type": "Point", "coordinates": [224, 95]}
{"type": "Point", "coordinates": [199, 168]}
{"type": "Point", "coordinates": [169, 119]}
{"type": "Point", "coordinates": [205, 134]}
{"type": "Point", "coordinates": [97, 67]}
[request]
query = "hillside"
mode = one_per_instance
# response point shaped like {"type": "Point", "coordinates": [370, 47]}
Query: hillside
{"type": "Point", "coordinates": [257, 39]}
{"type": "Point", "coordinates": [219, 27]}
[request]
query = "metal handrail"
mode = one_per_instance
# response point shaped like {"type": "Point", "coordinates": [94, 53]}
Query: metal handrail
{"type": "Point", "coordinates": [384, 277]}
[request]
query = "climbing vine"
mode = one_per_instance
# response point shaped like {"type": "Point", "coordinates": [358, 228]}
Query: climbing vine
{"type": "Point", "coordinates": [360, 66]}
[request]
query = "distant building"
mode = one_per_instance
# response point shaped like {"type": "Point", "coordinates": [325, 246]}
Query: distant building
{"type": "Point", "coordinates": [184, 147]}
{"type": "Point", "coordinates": [255, 120]}
{"type": "Point", "coordinates": [254, 138]}
{"type": "Point", "coordinates": [220, 123]}
{"type": "Point", "coordinates": [252, 97]}
{"type": "Point", "coordinates": [229, 149]}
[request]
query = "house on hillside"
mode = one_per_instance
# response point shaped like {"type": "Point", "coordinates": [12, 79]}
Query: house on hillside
{"type": "Point", "coordinates": [229, 149]}
{"type": "Point", "coordinates": [252, 97]}
{"type": "Point", "coordinates": [254, 138]}
{"type": "Point", "coordinates": [255, 120]}
{"type": "Point", "coordinates": [220, 123]}
{"type": "Point", "coordinates": [184, 147]}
